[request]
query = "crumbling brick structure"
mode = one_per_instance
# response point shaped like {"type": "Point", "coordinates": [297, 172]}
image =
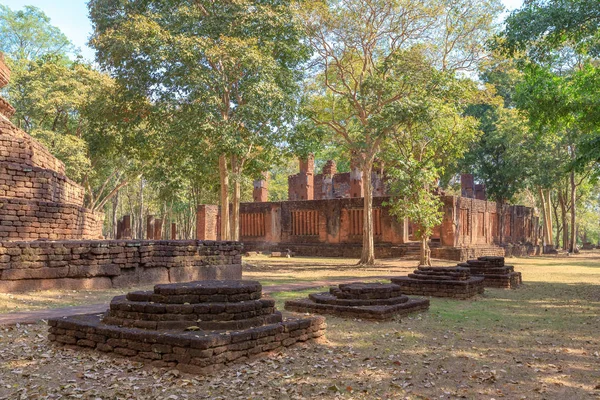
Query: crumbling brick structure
{"type": "Point", "coordinates": [37, 200]}
{"type": "Point", "coordinates": [195, 327]}
{"type": "Point", "coordinates": [48, 240]}
{"type": "Point", "coordinates": [376, 301]}
{"type": "Point", "coordinates": [495, 272]}
{"type": "Point", "coordinates": [470, 228]}
{"type": "Point", "coordinates": [441, 282]}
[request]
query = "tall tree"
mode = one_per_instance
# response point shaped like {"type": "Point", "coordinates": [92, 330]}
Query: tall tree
{"type": "Point", "coordinates": [354, 44]}
{"type": "Point", "coordinates": [231, 66]}
{"type": "Point", "coordinates": [28, 35]}
{"type": "Point", "coordinates": [428, 133]}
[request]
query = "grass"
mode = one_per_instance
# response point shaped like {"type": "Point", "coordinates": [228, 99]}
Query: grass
{"type": "Point", "coordinates": [540, 341]}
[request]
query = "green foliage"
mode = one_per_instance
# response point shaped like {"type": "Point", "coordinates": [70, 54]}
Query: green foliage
{"type": "Point", "coordinates": [28, 35]}
{"type": "Point", "coordinates": [430, 132]}
{"type": "Point", "coordinates": [224, 70]}
{"type": "Point", "coordinates": [558, 42]}
{"type": "Point", "coordinates": [542, 26]}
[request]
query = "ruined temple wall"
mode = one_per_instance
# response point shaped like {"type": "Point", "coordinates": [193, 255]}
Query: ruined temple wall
{"type": "Point", "coordinates": [473, 222]}
{"type": "Point", "coordinates": [333, 221]}
{"type": "Point", "coordinates": [103, 264]}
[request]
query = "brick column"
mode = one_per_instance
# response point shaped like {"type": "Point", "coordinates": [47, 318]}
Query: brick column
{"type": "Point", "coordinates": [150, 227]}
{"type": "Point", "coordinates": [207, 222]}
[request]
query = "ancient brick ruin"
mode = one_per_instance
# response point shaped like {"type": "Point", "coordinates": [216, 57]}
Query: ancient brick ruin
{"type": "Point", "coordinates": [377, 301]}
{"type": "Point", "coordinates": [195, 327]}
{"type": "Point", "coordinates": [495, 273]}
{"type": "Point", "coordinates": [48, 240]}
{"type": "Point", "coordinates": [324, 217]}
{"type": "Point", "coordinates": [37, 200]}
{"type": "Point", "coordinates": [105, 264]}
{"type": "Point", "coordinates": [441, 282]}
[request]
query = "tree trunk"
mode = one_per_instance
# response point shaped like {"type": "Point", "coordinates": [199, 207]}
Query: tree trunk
{"type": "Point", "coordinates": [115, 205]}
{"type": "Point", "coordinates": [368, 250]}
{"type": "Point", "coordinates": [235, 214]}
{"type": "Point", "coordinates": [558, 223]}
{"type": "Point", "coordinates": [549, 222]}
{"type": "Point", "coordinates": [565, 224]}
{"type": "Point", "coordinates": [573, 243]}
{"type": "Point", "coordinates": [425, 258]}
{"type": "Point", "coordinates": [545, 213]}
{"type": "Point", "coordinates": [140, 233]}
{"type": "Point", "coordinates": [224, 179]}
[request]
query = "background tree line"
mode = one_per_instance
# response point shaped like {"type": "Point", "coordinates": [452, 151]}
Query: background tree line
{"type": "Point", "coordinates": [191, 101]}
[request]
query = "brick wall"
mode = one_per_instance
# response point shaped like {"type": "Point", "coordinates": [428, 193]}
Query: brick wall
{"type": "Point", "coordinates": [106, 264]}
{"type": "Point", "coordinates": [18, 147]}
{"type": "Point", "coordinates": [33, 183]}
{"type": "Point", "coordinates": [333, 221]}
{"type": "Point", "coordinates": [33, 220]}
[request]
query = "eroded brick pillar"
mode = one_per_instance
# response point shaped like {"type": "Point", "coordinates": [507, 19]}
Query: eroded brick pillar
{"type": "Point", "coordinates": [467, 186]}
{"type": "Point", "coordinates": [260, 193]}
{"type": "Point", "coordinates": [150, 227]}
{"type": "Point", "coordinates": [207, 218]}
{"type": "Point", "coordinates": [173, 231]}
{"type": "Point", "coordinates": [126, 227]}
{"type": "Point", "coordinates": [158, 224]}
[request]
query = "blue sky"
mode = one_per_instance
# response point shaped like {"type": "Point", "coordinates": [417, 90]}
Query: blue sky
{"type": "Point", "coordinates": [71, 16]}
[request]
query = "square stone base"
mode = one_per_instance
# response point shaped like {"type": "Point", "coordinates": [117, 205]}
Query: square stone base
{"type": "Point", "coordinates": [363, 312]}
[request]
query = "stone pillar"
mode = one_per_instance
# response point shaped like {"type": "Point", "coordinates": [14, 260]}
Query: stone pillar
{"type": "Point", "coordinates": [126, 227]}
{"type": "Point", "coordinates": [467, 186]}
{"type": "Point", "coordinates": [207, 217]}
{"type": "Point", "coordinates": [327, 189]}
{"type": "Point", "coordinates": [261, 189]}
{"type": "Point", "coordinates": [307, 178]}
{"type": "Point", "coordinates": [173, 231]}
{"type": "Point", "coordinates": [150, 227]}
{"type": "Point", "coordinates": [158, 224]}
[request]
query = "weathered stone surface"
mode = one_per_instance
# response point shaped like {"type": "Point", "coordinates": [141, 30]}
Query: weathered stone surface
{"type": "Point", "coordinates": [494, 271]}
{"type": "Point", "coordinates": [193, 337]}
{"type": "Point", "coordinates": [124, 262]}
{"type": "Point", "coordinates": [376, 301]}
{"type": "Point", "coordinates": [455, 282]}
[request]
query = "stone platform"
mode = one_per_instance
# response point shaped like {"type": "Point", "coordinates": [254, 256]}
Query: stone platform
{"type": "Point", "coordinates": [360, 300]}
{"type": "Point", "coordinates": [495, 273]}
{"type": "Point", "coordinates": [195, 327]}
{"type": "Point", "coordinates": [455, 282]}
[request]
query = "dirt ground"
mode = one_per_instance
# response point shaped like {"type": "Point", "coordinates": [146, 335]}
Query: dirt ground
{"type": "Point", "coordinates": [541, 341]}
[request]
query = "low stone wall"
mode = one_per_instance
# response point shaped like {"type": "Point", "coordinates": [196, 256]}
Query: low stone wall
{"type": "Point", "coordinates": [34, 183]}
{"type": "Point", "coordinates": [466, 253]}
{"type": "Point", "coordinates": [191, 352]}
{"type": "Point", "coordinates": [33, 220]}
{"type": "Point", "coordinates": [104, 264]}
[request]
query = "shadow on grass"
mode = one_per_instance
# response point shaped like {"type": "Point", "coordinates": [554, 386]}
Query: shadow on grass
{"type": "Point", "coordinates": [540, 340]}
